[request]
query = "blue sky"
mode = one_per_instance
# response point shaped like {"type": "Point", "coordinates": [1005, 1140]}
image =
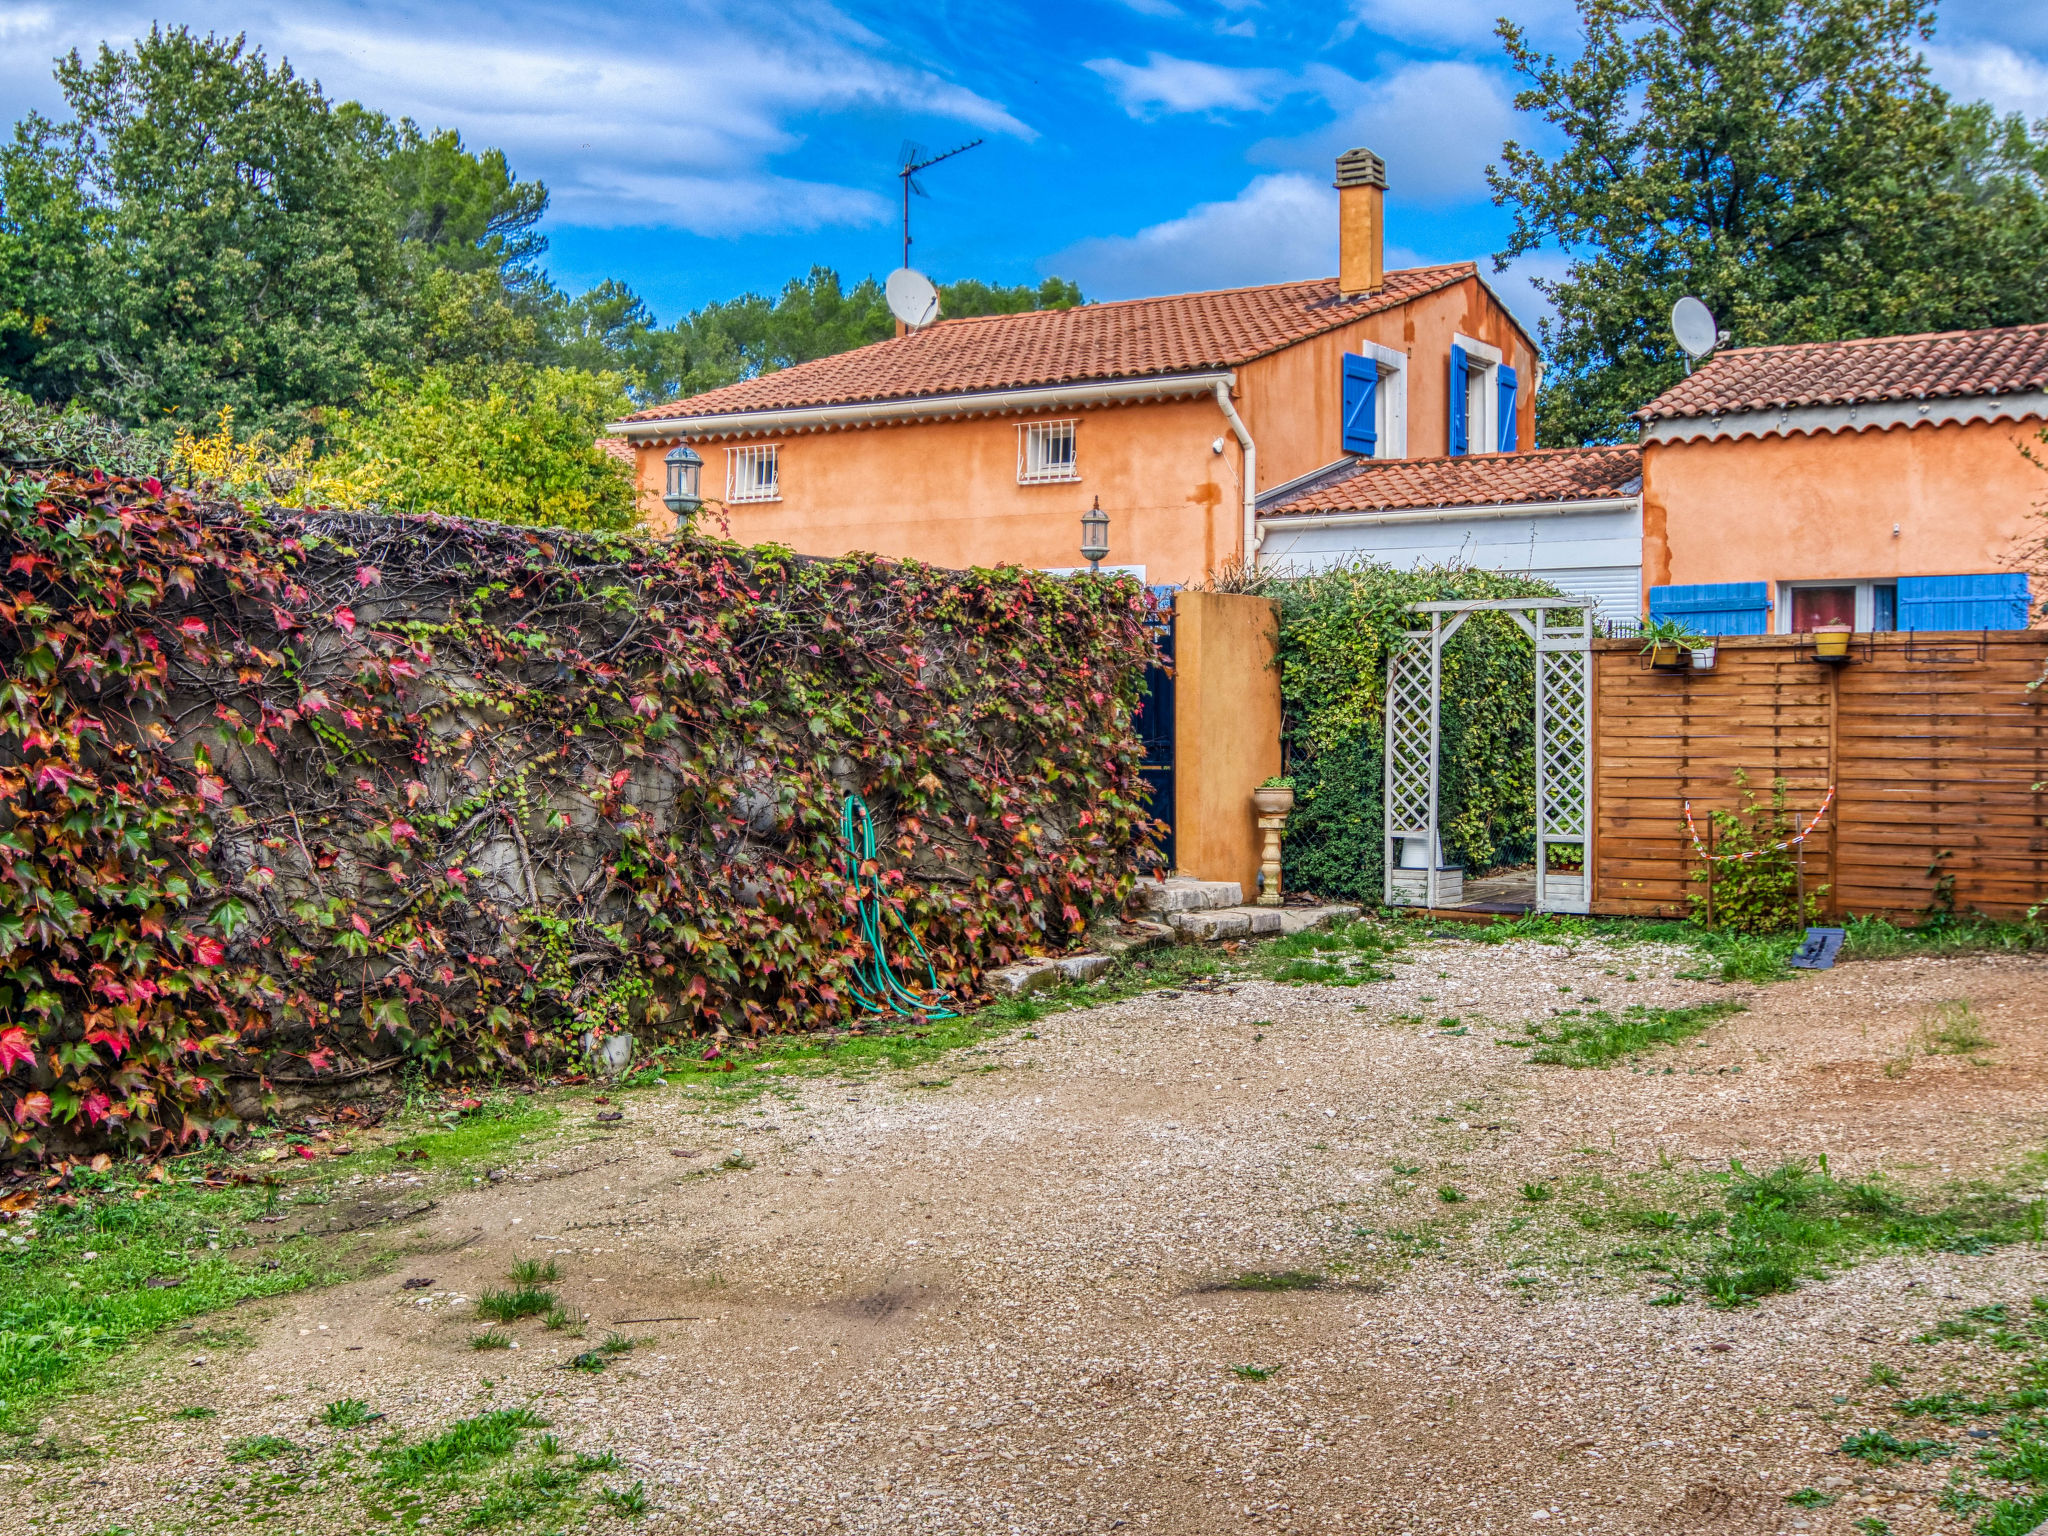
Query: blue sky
{"type": "Point", "coordinates": [696, 150]}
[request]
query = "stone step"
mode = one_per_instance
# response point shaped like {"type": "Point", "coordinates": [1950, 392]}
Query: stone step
{"type": "Point", "coordinates": [1253, 921]}
{"type": "Point", "coordinates": [1183, 895]}
{"type": "Point", "coordinates": [1037, 975]}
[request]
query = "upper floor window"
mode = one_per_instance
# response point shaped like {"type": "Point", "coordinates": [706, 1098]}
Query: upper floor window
{"type": "Point", "coordinates": [1045, 451]}
{"type": "Point", "coordinates": [1483, 399]}
{"type": "Point", "coordinates": [753, 473]}
{"type": "Point", "coordinates": [1374, 421]}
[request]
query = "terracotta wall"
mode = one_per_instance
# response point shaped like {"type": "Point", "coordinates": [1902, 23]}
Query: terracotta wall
{"type": "Point", "coordinates": [1810, 508]}
{"type": "Point", "coordinates": [946, 492]}
{"type": "Point", "coordinates": [1935, 748]}
{"type": "Point", "coordinates": [1292, 401]}
{"type": "Point", "coordinates": [1226, 731]}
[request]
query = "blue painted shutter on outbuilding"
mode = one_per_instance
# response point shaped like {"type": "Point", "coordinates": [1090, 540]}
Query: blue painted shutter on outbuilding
{"type": "Point", "coordinates": [1460, 437]}
{"type": "Point", "coordinates": [1361, 405]}
{"type": "Point", "coordinates": [1507, 408]}
{"type": "Point", "coordinates": [1996, 601]}
{"type": "Point", "coordinates": [1716, 607]}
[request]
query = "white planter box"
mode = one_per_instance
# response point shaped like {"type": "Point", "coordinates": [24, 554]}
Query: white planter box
{"type": "Point", "coordinates": [1411, 887]}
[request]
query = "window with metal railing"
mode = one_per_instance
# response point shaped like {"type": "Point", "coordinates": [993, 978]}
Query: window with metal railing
{"type": "Point", "coordinates": [753, 473]}
{"type": "Point", "coordinates": [1045, 451]}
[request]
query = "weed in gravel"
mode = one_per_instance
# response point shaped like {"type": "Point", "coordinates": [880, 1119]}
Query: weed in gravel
{"type": "Point", "coordinates": [195, 1412]}
{"type": "Point", "coordinates": [1536, 1194]}
{"type": "Point", "coordinates": [528, 1273]}
{"type": "Point", "coordinates": [510, 1306]}
{"type": "Point", "coordinates": [606, 1461]}
{"type": "Point", "coordinates": [1342, 957]}
{"type": "Point", "coordinates": [1954, 1029]}
{"type": "Point", "coordinates": [1880, 1447]}
{"type": "Point", "coordinates": [626, 1501]}
{"type": "Point", "coordinates": [466, 1446]}
{"type": "Point", "coordinates": [1404, 1170]}
{"type": "Point", "coordinates": [1450, 1194]}
{"type": "Point", "coordinates": [490, 1338]}
{"type": "Point", "coordinates": [259, 1448]}
{"type": "Point", "coordinates": [1870, 1525]}
{"type": "Point", "coordinates": [1809, 1498]}
{"type": "Point", "coordinates": [348, 1413]}
{"type": "Point", "coordinates": [1882, 1375]}
{"type": "Point", "coordinates": [560, 1319]}
{"type": "Point", "coordinates": [522, 1496]}
{"type": "Point", "coordinates": [1582, 1037]}
{"type": "Point", "coordinates": [1252, 1372]}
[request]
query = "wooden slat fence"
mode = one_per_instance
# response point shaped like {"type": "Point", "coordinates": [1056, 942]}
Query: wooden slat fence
{"type": "Point", "coordinates": [1937, 752]}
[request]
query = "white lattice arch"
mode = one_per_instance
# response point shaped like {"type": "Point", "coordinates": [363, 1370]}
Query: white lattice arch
{"type": "Point", "coordinates": [1564, 744]}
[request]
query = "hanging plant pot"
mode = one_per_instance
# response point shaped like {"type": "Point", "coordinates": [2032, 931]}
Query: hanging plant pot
{"type": "Point", "coordinates": [1831, 642]}
{"type": "Point", "coordinates": [1666, 657]}
{"type": "Point", "coordinates": [1703, 658]}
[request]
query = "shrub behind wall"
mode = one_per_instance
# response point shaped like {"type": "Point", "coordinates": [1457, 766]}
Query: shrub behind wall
{"type": "Point", "coordinates": [287, 796]}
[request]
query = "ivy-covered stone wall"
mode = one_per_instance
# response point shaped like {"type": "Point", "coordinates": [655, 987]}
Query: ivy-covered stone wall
{"type": "Point", "coordinates": [297, 795]}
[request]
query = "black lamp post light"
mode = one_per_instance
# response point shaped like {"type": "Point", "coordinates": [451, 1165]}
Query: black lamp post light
{"type": "Point", "coordinates": [685, 473]}
{"type": "Point", "coordinates": [1094, 535]}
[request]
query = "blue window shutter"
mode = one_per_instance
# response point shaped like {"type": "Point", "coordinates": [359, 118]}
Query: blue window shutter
{"type": "Point", "coordinates": [1507, 408]}
{"type": "Point", "coordinates": [1361, 405]}
{"type": "Point", "coordinates": [1996, 601]}
{"type": "Point", "coordinates": [1459, 434]}
{"type": "Point", "coordinates": [1716, 607]}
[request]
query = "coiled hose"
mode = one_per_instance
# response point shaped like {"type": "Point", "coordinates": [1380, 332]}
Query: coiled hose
{"type": "Point", "coordinates": [875, 986]}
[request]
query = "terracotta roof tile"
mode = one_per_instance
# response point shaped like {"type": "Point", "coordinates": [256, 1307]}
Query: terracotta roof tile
{"type": "Point", "coordinates": [1470, 480]}
{"type": "Point", "coordinates": [1930, 367]}
{"type": "Point", "coordinates": [1133, 338]}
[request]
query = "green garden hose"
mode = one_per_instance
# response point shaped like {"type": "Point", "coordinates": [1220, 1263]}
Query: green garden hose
{"type": "Point", "coordinates": [875, 985]}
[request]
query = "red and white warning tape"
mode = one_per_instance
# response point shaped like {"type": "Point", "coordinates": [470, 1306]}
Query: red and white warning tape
{"type": "Point", "coordinates": [1724, 858]}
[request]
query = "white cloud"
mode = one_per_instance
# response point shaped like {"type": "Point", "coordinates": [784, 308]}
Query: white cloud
{"type": "Point", "coordinates": [1165, 84]}
{"type": "Point", "coordinates": [683, 122]}
{"type": "Point", "coordinates": [1436, 125]}
{"type": "Point", "coordinates": [1453, 21]}
{"type": "Point", "coordinates": [2010, 80]}
{"type": "Point", "coordinates": [1279, 228]}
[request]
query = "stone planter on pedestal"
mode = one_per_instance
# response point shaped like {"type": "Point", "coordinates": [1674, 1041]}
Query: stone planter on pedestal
{"type": "Point", "coordinates": [1273, 806]}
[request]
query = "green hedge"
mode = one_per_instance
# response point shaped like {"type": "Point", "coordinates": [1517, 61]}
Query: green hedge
{"type": "Point", "coordinates": [1335, 630]}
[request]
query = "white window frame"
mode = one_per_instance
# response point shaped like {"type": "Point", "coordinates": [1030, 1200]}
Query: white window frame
{"type": "Point", "coordinates": [1482, 394]}
{"type": "Point", "coordinates": [1390, 399]}
{"type": "Point", "coordinates": [743, 479]}
{"type": "Point", "coordinates": [1031, 433]}
{"type": "Point", "coordinates": [1866, 600]}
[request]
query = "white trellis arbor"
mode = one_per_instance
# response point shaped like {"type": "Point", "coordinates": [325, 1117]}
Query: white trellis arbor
{"type": "Point", "coordinates": [1564, 743]}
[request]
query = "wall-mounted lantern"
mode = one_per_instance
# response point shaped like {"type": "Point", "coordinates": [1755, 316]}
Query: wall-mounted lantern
{"type": "Point", "coordinates": [685, 472]}
{"type": "Point", "coordinates": [1094, 535]}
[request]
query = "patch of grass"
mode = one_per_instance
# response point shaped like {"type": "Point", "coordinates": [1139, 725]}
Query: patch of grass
{"type": "Point", "coordinates": [604, 1461]}
{"type": "Point", "coordinates": [1880, 1447]}
{"type": "Point", "coordinates": [1595, 1037]}
{"type": "Point", "coordinates": [1252, 1372]}
{"type": "Point", "coordinates": [1341, 957]}
{"type": "Point", "coordinates": [1882, 1375]}
{"type": "Point", "coordinates": [626, 1501]}
{"type": "Point", "coordinates": [1809, 1498]}
{"type": "Point", "coordinates": [1954, 1029]}
{"type": "Point", "coordinates": [523, 1495]}
{"type": "Point", "coordinates": [528, 1273]}
{"type": "Point", "coordinates": [466, 1446]}
{"type": "Point", "coordinates": [195, 1412]}
{"type": "Point", "coordinates": [347, 1413]}
{"type": "Point", "coordinates": [490, 1338]}
{"type": "Point", "coordinates": [1949, 1407]}
{"type": "Point", "coordinates": [259, 1448]}
{"type": "Point", "coordinates": [1274, 1280]}
{"type": "Point", "coordinates": [560, 1319]}
{"type": "Point", "coordinates": [1870, 1525]}
{"type": "Point", "coordinates": [510, 1306]}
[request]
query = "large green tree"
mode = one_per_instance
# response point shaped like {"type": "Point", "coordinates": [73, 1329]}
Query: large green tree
{"type": "Point", "coordinates": [1788, 161]}
{"type": "Point", "coordinates": [204, 231]}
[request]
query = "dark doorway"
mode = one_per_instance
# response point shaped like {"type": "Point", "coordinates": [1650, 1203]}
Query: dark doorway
{"type": "Point", "coordinates": [1155, 730]}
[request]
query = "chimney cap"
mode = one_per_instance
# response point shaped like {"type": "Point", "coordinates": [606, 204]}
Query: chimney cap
{"type": "Point", "coordinates": [1361, 168]}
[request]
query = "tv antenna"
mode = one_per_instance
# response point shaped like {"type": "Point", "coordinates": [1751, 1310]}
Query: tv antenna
{"type": "Point", "coordinates": [912, 164]}
{"type": "Point", "coordinates": [1694, 326]}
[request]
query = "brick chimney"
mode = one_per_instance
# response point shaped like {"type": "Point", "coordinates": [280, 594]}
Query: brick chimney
{"type": "Point", "coordinates": [1361, 222]}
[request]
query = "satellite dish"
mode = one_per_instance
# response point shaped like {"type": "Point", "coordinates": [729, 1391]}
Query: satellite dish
{"type": "Point", "coordinates": [1694, 326]}
{"type": "Point", "coordinates": [912, 298]}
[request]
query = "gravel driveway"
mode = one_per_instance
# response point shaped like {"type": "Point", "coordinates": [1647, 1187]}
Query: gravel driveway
{"type": "Point", "coordinates": [1004, 1293]}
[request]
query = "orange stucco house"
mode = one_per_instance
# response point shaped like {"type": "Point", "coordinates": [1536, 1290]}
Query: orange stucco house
{"type": "Point", "coordinates": [982, 441]}
{"type": "Point", "coordinates": [1881, 484]}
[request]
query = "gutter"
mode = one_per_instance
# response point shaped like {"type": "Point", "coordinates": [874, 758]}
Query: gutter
{"type": "Point", "coordinates": [994, 402]}
{"type": "Point", "coordinates": [1253, 533]}
{"type": "Point", "coordinates": [1284, 523]}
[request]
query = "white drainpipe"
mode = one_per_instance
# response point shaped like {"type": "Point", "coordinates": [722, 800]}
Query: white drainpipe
{"type": "Point", "coordinates": [1251, 475]}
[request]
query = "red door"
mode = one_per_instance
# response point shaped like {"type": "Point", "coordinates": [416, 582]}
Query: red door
{"type": "Point", "coordinates": [1815, 606]}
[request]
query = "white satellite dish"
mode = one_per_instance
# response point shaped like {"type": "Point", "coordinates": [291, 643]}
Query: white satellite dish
{"type": "Point", "coordinates": [1694, 326]}
{"type": "Point", "coordinates": [912, 298]}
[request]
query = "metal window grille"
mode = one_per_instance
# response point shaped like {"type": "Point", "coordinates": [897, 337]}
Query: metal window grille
{"type": "Point", "coordinates": [753, 473]}
{"type": "Point", "coordinates": [1045, 451]}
